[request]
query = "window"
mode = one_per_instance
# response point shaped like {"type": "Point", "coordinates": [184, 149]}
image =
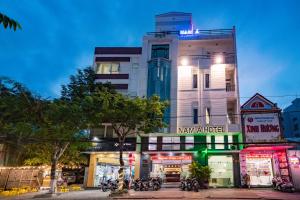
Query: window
{"type": "Point", "coordinates": [195, 81]}
{"type": "Point", "coordinates": [207, 115]}
{"type": "Point", "coordinates": [230, 140]}
{"type": "Point", "coordinates": [207, 81]}
{"type": "Point", "coordinates": [171, 146]}
{"type": "Point", "coordinates": [108, 68]}
{"type": "Point", "coordinates": [219, 139]}
{"type": "Point", "coordinates": [208, 140]}
{"type": "Point", "coordinates": [190, 141]}
{"type": "Point", "coordinates": [160, 51]}
{"type": "Point", "coordinates": [195, 114]}
{"type": "Point", "coordinates": [152, 147]}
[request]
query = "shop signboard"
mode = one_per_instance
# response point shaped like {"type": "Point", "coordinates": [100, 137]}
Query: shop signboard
{"type": "Point", "coordinates": [261, 127]}
{"type": "Point", "coordinates": [201, 129]}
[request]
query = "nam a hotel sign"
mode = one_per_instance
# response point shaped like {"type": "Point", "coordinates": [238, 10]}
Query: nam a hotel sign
{"type": "Point", "coordinates": [201, 129]}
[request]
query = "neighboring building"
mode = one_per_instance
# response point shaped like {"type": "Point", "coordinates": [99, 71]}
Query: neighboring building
{"type": "Point", "coordinates": [196, 71]}
{"type": "Point", "coordinates": [291, 120]}
{"type": "Point", "coordinates": [261, 124]}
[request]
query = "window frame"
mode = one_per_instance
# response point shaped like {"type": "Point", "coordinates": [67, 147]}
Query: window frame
{"type": "Point", "coordinates": [195, 81]}
{"type": "Point", "coordinates": [100, 67]}
{"type": "Point", "coordinates": [195, 115]}
{"type": "Point", "coordinates": [206, 80]}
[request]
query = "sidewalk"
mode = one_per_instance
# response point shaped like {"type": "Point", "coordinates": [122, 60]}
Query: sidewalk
{"type": "Point", "coordinates": [167, 193]}
{"type": "Point", "coordinates": [43, 195]}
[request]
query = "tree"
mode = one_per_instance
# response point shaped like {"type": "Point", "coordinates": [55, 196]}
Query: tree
{"type": "Point", "coordinates": [61, 125]}
{"type": "Point", "coordinates": [19, 110]}
{"type": "Point", "coordinates": [8, 22]}
{"type": "Point", "coordinates": [132, 116]}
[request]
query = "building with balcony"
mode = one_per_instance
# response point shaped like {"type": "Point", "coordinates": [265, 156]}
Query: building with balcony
{"type": "Point", "coordinates": [196, 71]}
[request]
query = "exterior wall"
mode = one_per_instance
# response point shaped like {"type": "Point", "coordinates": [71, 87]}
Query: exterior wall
{"type": "Point", "coordinates": [291, 120]}
{"type": "Point", "coordinates": [172, 40]}
{"type": "Point", "coordinates": [134, 71]}
{"type": "Point", "coordinates": [173, 21]}
{"type": "Point", "coordinates": [216, 97]}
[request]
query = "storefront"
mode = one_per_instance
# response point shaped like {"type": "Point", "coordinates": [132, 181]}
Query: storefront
{"type": "Point", "coordinates": [262, 158]}
{"type": "Point", "coordinates": [294, 163]}
{"type": "Point", "coordinates": [264, 163]}
{"type": "Point", "coordinates": [107, 167]}
{"type": "Point", "coordinates": [171, 167]}
{"type": "Point", "coordinates": [169, 156]}
{"type": "Point", "coordinates": [104, 162]}
{"type": "Point", "coordinates": [222, 170]}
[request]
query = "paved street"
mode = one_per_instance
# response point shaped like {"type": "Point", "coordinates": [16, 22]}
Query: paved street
{"type": "Point", "coordinates": [170, 193]}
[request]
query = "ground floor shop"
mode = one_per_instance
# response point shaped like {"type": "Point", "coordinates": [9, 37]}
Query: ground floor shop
{"type": "Point", "coordinates": [173, 166]}
{"type": "Point", "coordinates": [294, 163]}
{"type": "Point", "coordinates": [105, 166]}
{"type": "Point", "coordinates": [264, 163]}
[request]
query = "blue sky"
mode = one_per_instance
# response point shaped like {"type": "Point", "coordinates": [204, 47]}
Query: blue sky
{"type": "Point", "coordinates": [59, 36]}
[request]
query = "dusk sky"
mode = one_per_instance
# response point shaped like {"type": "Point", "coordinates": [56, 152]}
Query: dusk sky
{"type": "Point", "coordinates": [59, 36]}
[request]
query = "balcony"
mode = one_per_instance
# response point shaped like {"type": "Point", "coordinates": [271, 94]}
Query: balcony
{"type": "Point", "coordinates": [230, 87]}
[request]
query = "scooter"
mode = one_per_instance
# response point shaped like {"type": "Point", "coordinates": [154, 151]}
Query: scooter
{"type": "Point", "coordinates": [282, 184]}
{"type": "Point", "coordinates": [154, 184]}
{"type": "Point", "coordinates": [109, 185]}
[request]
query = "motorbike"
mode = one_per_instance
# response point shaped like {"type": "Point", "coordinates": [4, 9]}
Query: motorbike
{"type": "Point", "coordinates": [108, 185]}
{"type": "Point", "coordinates": [141, 184]}
{"type": "Point", "coordinates": [282, 184]}
{"type": "Point", "coordinates": [154, 184]}
{"type": "Point", "coordinates": [189, 184]}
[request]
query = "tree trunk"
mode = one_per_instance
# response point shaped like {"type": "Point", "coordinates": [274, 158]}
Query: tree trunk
{"type": "Point", "coordinates": [121, 170]}
{"type": "Point", "coordinates": [53, 177]}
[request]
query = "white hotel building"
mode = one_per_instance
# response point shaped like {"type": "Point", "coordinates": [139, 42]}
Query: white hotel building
{"type": "Point", "coordinates": [196, 71]}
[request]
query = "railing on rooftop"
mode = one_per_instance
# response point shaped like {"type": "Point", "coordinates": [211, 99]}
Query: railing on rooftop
{"type": "Point", "coordinates": [202, 34]}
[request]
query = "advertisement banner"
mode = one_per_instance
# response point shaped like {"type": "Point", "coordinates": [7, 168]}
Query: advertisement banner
{"type": "Point", "coordinates": [262, 127]}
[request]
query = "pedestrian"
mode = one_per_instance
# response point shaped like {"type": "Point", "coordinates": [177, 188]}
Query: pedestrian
{"type": "Point", "coordinates": [247, 180]}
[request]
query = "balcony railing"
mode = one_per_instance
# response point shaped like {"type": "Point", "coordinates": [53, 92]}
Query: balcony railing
{"type": "Point", "coordinates": [230, 87]}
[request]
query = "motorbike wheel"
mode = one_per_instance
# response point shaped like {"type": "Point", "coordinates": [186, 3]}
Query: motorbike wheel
{"type": "Point", "coordinates": [155, 188]}
{"type": "Point", "coordinates": [182, 186]}
{"type": "Point", "coordinates": [196, 189]}
{"type": "Point", "coordinates": [104, 189]}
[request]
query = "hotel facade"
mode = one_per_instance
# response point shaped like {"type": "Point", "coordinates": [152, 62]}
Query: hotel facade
{"type": "Point", "coordinates": [196, 71]}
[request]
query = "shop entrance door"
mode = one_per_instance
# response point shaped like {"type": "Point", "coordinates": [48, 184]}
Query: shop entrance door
{"type": "Point", "coordinates": [259, 170]}
{"type": "Point", "coordinates": [222, 171]}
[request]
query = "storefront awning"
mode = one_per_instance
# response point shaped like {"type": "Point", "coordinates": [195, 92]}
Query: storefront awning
{"type": "Point", "coordinates": [267, 148]}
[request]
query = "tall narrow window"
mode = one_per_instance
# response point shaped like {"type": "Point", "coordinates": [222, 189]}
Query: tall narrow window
{"type": "Point", "coordinates": [207, 81]}
{"type": "Point", "coordinates": [219, 140]}
{"type": "Point", "coordinates": [152, 143]}
{"type": "Point", "coordinates": [195, 115]}
{"type": "Point", "coordinates": [207, 115]}
{"type": "Point", "coordinates": [189, 143]}
{"type": "Point", "coordinates": [208, 141]}
{"type": "Point", "coordinates": [195, 81]}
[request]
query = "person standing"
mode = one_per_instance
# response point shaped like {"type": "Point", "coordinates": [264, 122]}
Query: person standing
{"type": "Point", "coordinates": [247, 180]}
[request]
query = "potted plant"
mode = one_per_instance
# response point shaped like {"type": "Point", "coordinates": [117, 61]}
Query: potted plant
{"type": "Point", "coordinates": [201, 173]}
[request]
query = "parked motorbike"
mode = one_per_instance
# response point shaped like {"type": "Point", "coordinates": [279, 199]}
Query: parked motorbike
{"type": "Point", "coordinates": [190, 184]}
{"type": "Point", "coordinates": [108, 185]}
{"type": "Point", "coordinates": [282, 184]}
{"type": "Point", "coordinates": [141, 185]}
{"type": "Point", "coordinates": [154, 184]}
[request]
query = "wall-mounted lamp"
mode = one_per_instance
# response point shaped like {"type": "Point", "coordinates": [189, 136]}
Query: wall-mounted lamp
{"type": "Point", "coordinates": [184, 61]}
{"type": "Point", "coordinates": [219, 59]}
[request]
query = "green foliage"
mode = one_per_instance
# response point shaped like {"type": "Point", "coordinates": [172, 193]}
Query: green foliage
{"type": "Point", "coordinates": [133, 115]}
{"type": "Point", "coordinates": [8, 22]}
{"type": "Point", "coordinates": [199, 172]}
{"type": "Point", "coordinates": [19, 110]}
